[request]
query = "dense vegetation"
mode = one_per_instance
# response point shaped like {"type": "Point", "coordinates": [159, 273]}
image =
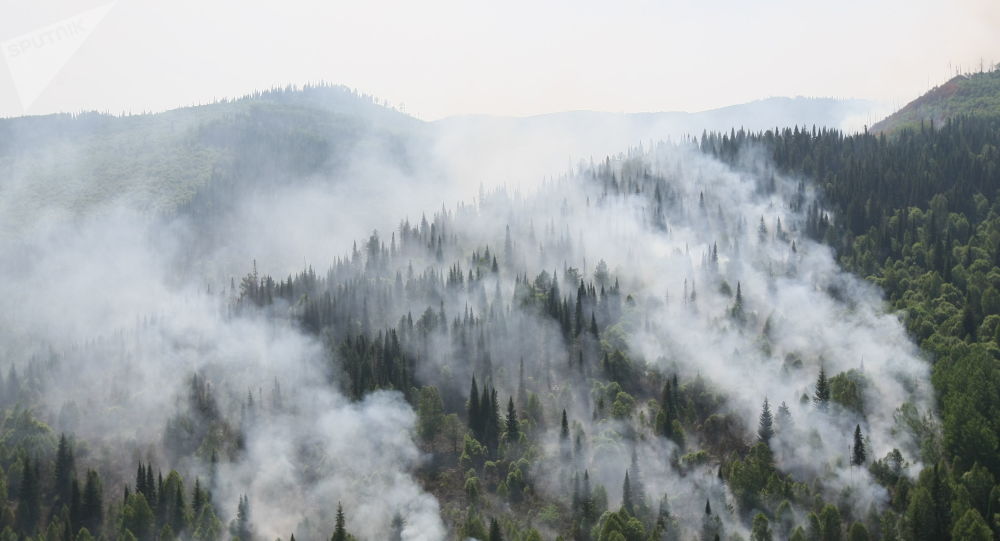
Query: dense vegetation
{"type": "Point", "coordinates": [970, 94]}
{"type": "Point", "coordinates": [539, 415]}
{"type": "Point", "coordinates": [159, 162]}
{"type": "Point", "coordinates": [919, 215]}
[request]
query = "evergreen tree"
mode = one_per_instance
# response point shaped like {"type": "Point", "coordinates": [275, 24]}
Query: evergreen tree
{"type": "Point", "coordinates": [91, 507]}
{"type": "Point", "coordinates": [971, 527]}
{"type": "Point", "coordinates": [822, 394]}
{"type": "Point", "coordinates": [513, 432]}
{"type": "Point", "coordinates": [784, 418]}
{"type": "Point", "coordinates": [495, 534]}
{"type": "Point", "coordinates": [627, 504]}
{"type": "Point", "coordinates": [241, 528]}
{"type": "Point", "coordinates": [340, 530]}
{"type": "Point", "coordinates": [29, 508]}
{"type": "Point", "coordinates": [197, 497]}
{"type": "Point", "coordinates": [63, 471]}
{"type": "Point", "coordinates": [474, 410]}
{"type": "Point", "coordinates": [765, 429]}
{"type": "Point", "coordinates": [858, 453]}
{"type": "Point", "coordinates": [761, 530]}
{"type": "Point", "coordinates": [638, 488]}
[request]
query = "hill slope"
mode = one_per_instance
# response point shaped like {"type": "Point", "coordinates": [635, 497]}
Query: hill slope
{"type": "Point", "coordinates": [974, 94]}
{"type": "Point", "coordinates": [79, 164]}
{"type": "Point", "coordinates": [192, 159]}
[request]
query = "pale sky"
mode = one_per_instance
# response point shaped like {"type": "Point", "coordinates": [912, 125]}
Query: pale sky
{"type": "Point", "coordinates": [441, 58]}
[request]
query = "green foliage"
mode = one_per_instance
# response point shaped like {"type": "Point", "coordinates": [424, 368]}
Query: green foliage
{"type": "Point", "coordinates": [971, 527]}
{"type": "Point", "coordinates": [848, 390]}
{"type": "Point", "coordinates": [966, 94]}
{"type": "Point", "coordinates": [751, 478]}
{"type": "Point", "coordinates": [761, 529]}
{"type": "Point", "coordinates": [430, 413]}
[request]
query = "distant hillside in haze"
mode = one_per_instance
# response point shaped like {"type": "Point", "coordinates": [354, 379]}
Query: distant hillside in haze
{"type": "Point", "coordinates": [972, 94]}
{"type": "Point", "coordinates": [513, 149]}
{"type": "Point", "coordinates": [78, 164]}
{"type": "Point", "coordinates": [753, 116]}
{"type": "Point", "coordinates": [194, 158]}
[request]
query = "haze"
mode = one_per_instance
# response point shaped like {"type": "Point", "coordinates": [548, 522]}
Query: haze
{"type": "Point", "coordinates": [438, 59]}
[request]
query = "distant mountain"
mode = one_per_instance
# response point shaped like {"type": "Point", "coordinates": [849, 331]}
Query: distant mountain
{"type": "Point", "coordinates": [518, 150]}
{"type": "Point", "coordinates": [754, 116]}
{"type": "Point", "coordinates": [195, 158]}
{"type": "Point", "coordinates": [973, 94]}
{"type": "Point", "coordinates": [78, 164]}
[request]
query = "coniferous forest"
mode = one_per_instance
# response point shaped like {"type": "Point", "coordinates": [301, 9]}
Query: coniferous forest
{"type": "Point", "coordinates": [786, 334]}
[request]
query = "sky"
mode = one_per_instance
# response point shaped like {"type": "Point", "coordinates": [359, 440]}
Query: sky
{"type": "Point", "coordinates": [435, 59]}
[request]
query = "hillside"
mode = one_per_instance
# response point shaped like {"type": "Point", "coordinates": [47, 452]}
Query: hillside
{"type": "Point", "coordinates": [672, 343]}
{"type": "Point", "coordinates": [189, 159]}
{"type": "Point", "coordinates": [76, 165]}
{"type": "Point", "coordinates": [971, 94]}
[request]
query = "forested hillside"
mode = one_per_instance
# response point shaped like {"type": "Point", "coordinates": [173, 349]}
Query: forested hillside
{"type": "Point", "coordinates": [78, 165]}
{"type": "Point", "coordinates": [676, 342]}
{"type": "Point", "coordinates": [968, 94]}
{"type": "Point", "coordinates": [918, 215]}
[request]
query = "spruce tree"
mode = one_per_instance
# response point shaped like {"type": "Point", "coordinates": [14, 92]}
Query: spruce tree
{"type": "Point", "coordinates": [64, 471]}
{"type": "Point", "coordinates": [765, 429]}
{"type": "Point", "coordinates": [627, 503]}
{"type": "Point", "coordinates": [91, 511]}
{"type": "Point", "coordinates": [29, 499]}
{"type": "Point", "coordinates": [822, 394]}
{"type": "Point", "coordinates": [513, 433]}
{"type": "Point", "coordinates": [495, 534]}
{"type": "Point", "coordinates": [638, 489]}
{"type": "Point", "coordinates": [474, 410]}
{"type": "Point", "coordinates": [858, 452]}
{"type": "Point", "coordinates": [340, 530]}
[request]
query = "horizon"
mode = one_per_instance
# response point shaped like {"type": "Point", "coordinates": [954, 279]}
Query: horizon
{"type": "Point", "coordinates": [71, 56]}
{"type": "Point", "coordinates": [377, 100]}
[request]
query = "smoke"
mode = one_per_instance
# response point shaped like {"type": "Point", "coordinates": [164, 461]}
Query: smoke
{"type": "Point", "coordinates": [147, 350]}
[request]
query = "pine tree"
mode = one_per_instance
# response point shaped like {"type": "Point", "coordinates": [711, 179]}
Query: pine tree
{"type": "Point", "coordinates": [765, 428]}
{"type": "Point", "coordinates": [638, 489]}
{"type": "Point", "coordinates": [495, 534]}
{"type": "Point", "coordinates": [513, 433]}
{"type": "Point", "coordinates": [197, 497]}
{"type": "Point", "coordinates": [178, 521]}
{"type": "Point", "coordinates": [491, 410]}
{"type": "Point", "coordinates": [64, 471]}
{"type": "Point", "coordinates": [784, 419]}
{"type": "Point", "coordinates": [822, 394]}
{"type": "Point", "coordinates": [91, 511]}
{"type": "Point", "coordinates": [858, 452]}
{"type": "Point", "coordinates": [474, 410]}
{"type": "Point", "coordinates": [627, 503]}
{"type": "Point", "coordinates": [587, 498]}
{"type": "Point", "coordinates": [340, 530]}
{"type": "Point", "coordinates": [140, 480]}
{"type": "Point", "coordinates": [241, 527]}
{"type": "Point", "coordinates": [29, 499]}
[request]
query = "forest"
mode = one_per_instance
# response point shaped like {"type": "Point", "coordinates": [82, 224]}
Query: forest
{"type": "Point", "coordinates": [787, 334]}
